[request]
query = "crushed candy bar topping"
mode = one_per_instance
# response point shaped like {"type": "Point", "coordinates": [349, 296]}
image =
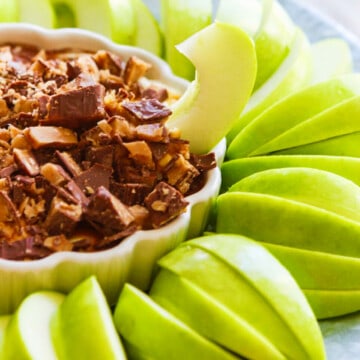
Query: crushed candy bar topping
{"type": "Point", "coordinates": [85, 156]}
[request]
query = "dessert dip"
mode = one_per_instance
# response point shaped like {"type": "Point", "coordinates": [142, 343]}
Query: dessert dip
{"type": "Point", "coordinates": [86, 158]}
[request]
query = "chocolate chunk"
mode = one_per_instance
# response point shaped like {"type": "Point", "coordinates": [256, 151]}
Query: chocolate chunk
{"type": "Point", "coordinates": [147, 110]}
{"type": "Point", "coordinates": [93, 178]}
{"type": "Point", "coordinates": [54, 174]}
{"type": "Point", "coordinates": [164, 204]}
{"type": "Point", "coordinates": [100, 155]}
{"type": "Point", "coordinates": [107, 213]}
{"type": "Point", "coordinates": [160, 94]}
{"type": "Point", "coordinates": [26, 161]}
{"type": "Point", "coordinates": [73, 188]}
{"type": "Point", "coordinates": [8, 212]}
{"type": "Point", "coordinates": [50, 136]}
{"type": "Point", "coordinates": [130, 194]}
{"type": "Point", "coordinates": [77, 108]}
{"type": "Point", "coordinates": [62, 217]}
{"type": "Point", "coordinates": [8, 170]}
{"type": "Point", "coordinates": [112, 240]}
{"type": "Point", "coordinates": [108, 61]}
{"type": "Point", "coordinates": [24, 249]}
{"type": "Point", "coordinates": [204, 162]}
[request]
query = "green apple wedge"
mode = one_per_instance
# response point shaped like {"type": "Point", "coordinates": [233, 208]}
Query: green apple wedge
{"type": "Point", "coordinates": [4, 321]}
{"type": "Point", "coordinates": [147, 34]}
{"type": "Point", "coordinates": [156, 334]}
{"type": "Point", "coordinates": [83, 327]}
{"type": "Point", "coordinates": [89, 14]}
{"type": "Point", "coordinates": [39, 12]}
{"type": "Point", "coordinates": [315, 187]}
{"type": "Point", "coordinates": [27, 335]}
{"type": "Point", "coordinates": [123, 21]}
{"type": "Point", "coordinates": [344, 145]}
{"type": "Point", "coordinates": [179, 20]}
{"type": "Point", "coordinates": [290, 111]}
{"type": "Point", "coordinates": [277, 220]}
{"type": "Point", "coordinates": [203, 104]}
{"type": "Point", "coordinates": [9, 11]}
{"type": "Point", "coordinates": [242, 275]}
{"type": "Point", "coordinates": [268, 24]}
{"type": "Point", "coordinates": [331, 57]}
{"type": "Point", "coordinates": [330, 282]}
{"type": "Point", "coordinates": [209, 317]}
{"type": "Point", "coordinates": [294, 73]}
{"type": "Point", "coordinates": [325, 125]}
{"type": "Point", "coordinates": [234, 170]}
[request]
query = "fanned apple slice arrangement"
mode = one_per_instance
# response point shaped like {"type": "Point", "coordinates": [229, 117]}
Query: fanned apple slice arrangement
{"type": "Point", "coordinates": [287, 248]}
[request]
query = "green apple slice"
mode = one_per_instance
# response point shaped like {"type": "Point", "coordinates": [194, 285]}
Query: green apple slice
{"type": "Point", "coordinates": [331, 57]}
{"type": "Point", "coordinates": [268, 24]}
{"type": "Point", "coordinates": [155, 333]}
{"type": "Point", "coordinates": [333, 303]}
{"type": "Point", "coordinates": [293, 74]}
{"type": "Point", "coordinates": [123, 23]}
{"type": "Point", "coordinates": [287, 222]}
{"type": "Point", "coordinates": [330, 282]}
{"type": "Point", "coordinates": [28, 335]}
{"type": "Point", "coordinates": [39, 12]}
{"type": "Point", "coordinates": [181, 19]}
{"type": "Point", "coordinates": [235, 170]}
{"type": "Point", "coordinates": [290, 111]}
{"type": "Point", "coordinates": [4, 321]}
{"type": "Point", "coordinates": [9, 11]}
{"type": "Point", "coordinates": [315, 187]}
{"type": "Point", "coordinates": [203, 107]}
{"type": "Point", "coordinates": [88, 14]}
{"type": "Point", "coordinates": [344, 145]}
{"type": "Point", "coordinates": [320, 127]}
{"type": "Point", "coordinates": [208, 316]}
{"type": "Point", "coordinates": [83, 327]}
{"type": "Point", "coordinates": [147, 34]}
{"type": "Point", "coordinates": [242, 276]}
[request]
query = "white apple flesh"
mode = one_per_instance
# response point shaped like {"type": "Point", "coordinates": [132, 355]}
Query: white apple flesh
{"type": "Point", "coordinates": [215, 99]}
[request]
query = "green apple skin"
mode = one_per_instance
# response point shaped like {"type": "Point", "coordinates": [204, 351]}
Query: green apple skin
{"type": "Point", "coordinates": [319, 188]}
{"type": "Point", "coordinates": [330, 282]}
{"type": "Point", "coordinates": [268, 24]}
{"type": "Point", "coordinates": [123, 21]}
{"type": "Point", "coordinates": [293, 74]}
{"type": "Point", "coordinates": [235, 170]}
{"type": "Point", "coordinates": [203, 104]}
{"type": "Point", "coordinates": [86, 14]}
{"type": "Point", "coordinates": [180, 19]}
{"type": "Point", "coordinates": [39, 12]}
{"type": "Point", "coordinates": [224, 266]}
{"type": "Point", "coordinates": [290, 112]}
{"type": "Point", "coordinates": [333, 303]}
{"type": "Point", "coordinates": [4, 321]}
{"type": "Point", "coordinates": [344, 145]}
{"type": "Point", "coordinates": [287, 222]}
{"type": "Point", "coordinates": [27, 335]}
{"type": "Point", "coordinates": [209, 317]}
{"type": "Point", "coordinates": [331, 57]}
{"type": "Point", "coordinates": [323, 126]}
{"type": "Point", "coordinates": [147, 34]}
{"type": "Point", "coordinates": [83, 327]}
{"type": "Point", "coordinates": [155, 333]}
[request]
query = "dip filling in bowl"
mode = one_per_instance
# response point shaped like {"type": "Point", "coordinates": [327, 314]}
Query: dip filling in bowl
{"type": "Point", "coordinates": [91, 179]}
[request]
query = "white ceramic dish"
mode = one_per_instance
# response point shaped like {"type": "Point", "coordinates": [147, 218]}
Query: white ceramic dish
{"type": "Point", "coordinates": [134, 259]}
